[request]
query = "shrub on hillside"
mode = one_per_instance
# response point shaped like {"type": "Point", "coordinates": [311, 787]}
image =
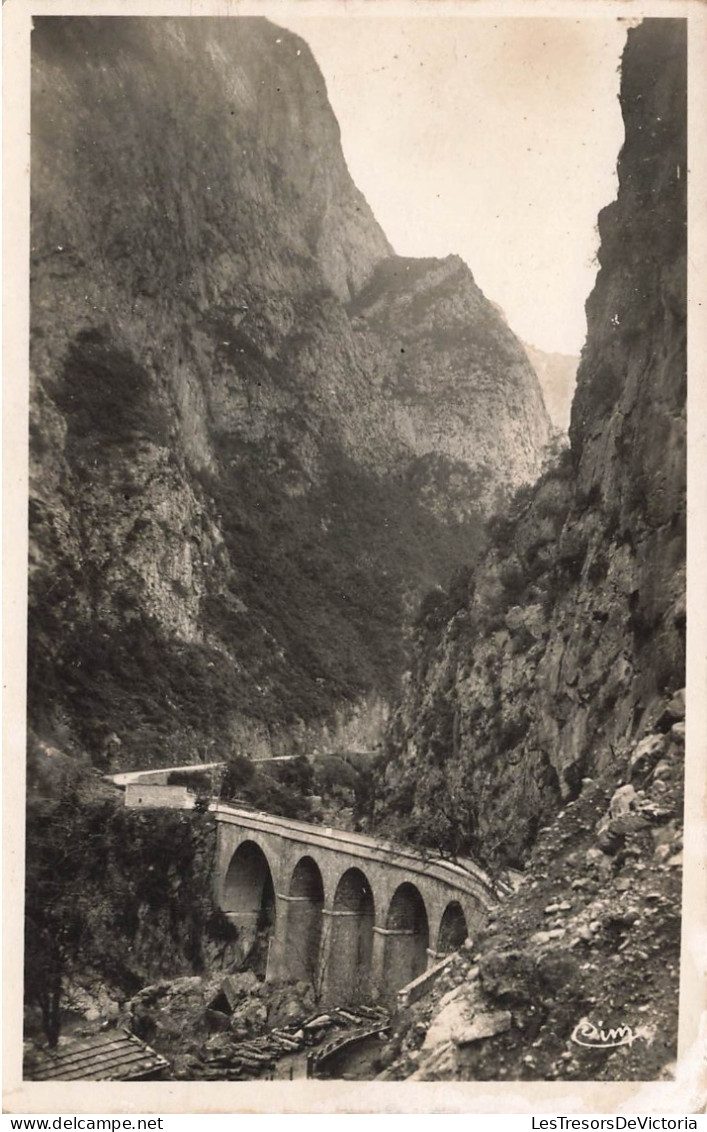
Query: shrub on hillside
{"type": "Point", "coordinates": [256, 786]}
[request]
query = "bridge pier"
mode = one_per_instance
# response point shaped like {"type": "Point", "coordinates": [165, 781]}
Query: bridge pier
{"type": "Point", "coordinates": [403, 958]}
{"type": "Point", "coordinates": [407, 937]}
{"type": "Point", "coordinates": [297, 943]}
{"type": "Point", "coordinates": [378, 961]}
{"type": "Point", "coordinates": [278, 960]}
{"type": "Point", "coordinates": [346, 957]}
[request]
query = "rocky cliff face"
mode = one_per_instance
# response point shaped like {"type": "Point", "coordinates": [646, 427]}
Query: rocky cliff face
{"type": "Point", "coordinates": [247, 414]}
{"type": "Point", "coordinates": [427, 328]}
{"type": "Point", "coordinates": [544, 663]}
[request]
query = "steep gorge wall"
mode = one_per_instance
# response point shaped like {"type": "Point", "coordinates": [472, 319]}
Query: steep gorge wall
{"type": "Point", "coordinates": [540, 665]}
{"type": "Point", "coordinates": [240, 463]}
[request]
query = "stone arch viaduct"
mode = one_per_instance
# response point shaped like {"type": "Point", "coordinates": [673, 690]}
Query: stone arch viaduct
{"type": "Point", "coordinates": [356, 917]}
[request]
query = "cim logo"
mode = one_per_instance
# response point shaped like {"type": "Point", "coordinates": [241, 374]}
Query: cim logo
{"type": "Point", "coordinates": [586, 1033]}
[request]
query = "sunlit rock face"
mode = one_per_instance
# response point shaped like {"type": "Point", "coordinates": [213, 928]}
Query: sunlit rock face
{"type": "Point", "coordinates": [457, 380]}
{"type": "Point", "coordinates": [542, 663]}
{"type": "Point", "coordinates": [257, 435]}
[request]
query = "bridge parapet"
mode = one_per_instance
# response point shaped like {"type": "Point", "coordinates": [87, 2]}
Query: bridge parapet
{"type": "Point", "coordinates": [467, 876]}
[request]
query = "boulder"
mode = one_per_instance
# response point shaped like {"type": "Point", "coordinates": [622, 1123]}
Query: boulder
{"type": "Point", "coordinates": [585, 933]}
{"type": "Point", "coordinates": [662, 770]}
{"type": "Point", "coordinates": [612, 831]}
{"type": "Point", "coordinates": [237, 986]}
{"type": "Point", "coordinates": [674, 711]}
{"type": "Point", "coordinates": [251, 1014]}
{"type": "Point", "coordinates": [547, 937]}
{"type": "Point", "coordinates": [645, 755]}
{"type": "Point", "coordinates": [598, 860]}
{"type": "Point", "coordinates": [484, 1026]}
{"type": "Point", "coordinates": [174, 1009]}
{"type": "Point", "coordinates": [455, 1016]}
{"type": "Point", "coordinates": [290, 1003]}
{"type": "Point", "coordinates": [453, 995]}
{"type": "Point", "coordinates": [618, 919]}
{"type": "Point", "coordinates": [439, 1065]}
{"type": "Point", "coordinates": [608, 839]}
{"type": "Point", "coordinates": [623, 801]}
{"type": "Point", "coordinates": [677, 732]}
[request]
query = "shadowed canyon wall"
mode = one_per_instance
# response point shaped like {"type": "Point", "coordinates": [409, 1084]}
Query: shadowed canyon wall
{"type": "Point", "coordinates": [542, 662]}
{"type": "Point", "coordinates": [257, 435]}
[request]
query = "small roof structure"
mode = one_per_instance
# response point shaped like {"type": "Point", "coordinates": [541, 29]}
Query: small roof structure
{"type": "Point", "coordinates": [114, 1056]}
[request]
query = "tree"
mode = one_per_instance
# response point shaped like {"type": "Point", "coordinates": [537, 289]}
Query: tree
{"type": "Point", "coordinates": [56, 903]}
{"type": "Point", "coordinates": [444, 816]}
{"type": "Point", "coordinates": [239, 773]}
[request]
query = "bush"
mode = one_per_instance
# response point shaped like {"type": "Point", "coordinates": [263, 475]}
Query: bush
{"type": "Point", "coordinates": [243, 781]}
{"type": "Point", "coordinates": [124, 676]}
{"type": "Point", "coordinates": [298, 775]}
{"type": "Point", "coordinates": [198, 782]}
{"type": "Point", "coordinates": [238, 775]}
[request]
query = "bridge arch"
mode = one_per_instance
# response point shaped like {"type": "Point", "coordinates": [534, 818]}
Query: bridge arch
{"type": "Point", "coordinates": [407, 937]}
{"type": "Point", "coordinates": [248, 899]}
{"type": "Point", "coordinates": [453, 929]}
{"type": "Point", "coordinates": [305, 903]}
{"type": "Point", "coordinates": [350, 948]}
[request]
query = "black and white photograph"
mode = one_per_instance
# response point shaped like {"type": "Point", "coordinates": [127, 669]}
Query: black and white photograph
{"type": "Point", "coordinates": [355, 706]}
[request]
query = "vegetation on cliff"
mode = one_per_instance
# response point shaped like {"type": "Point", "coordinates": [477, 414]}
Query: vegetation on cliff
{"type": "Point", "coordinates": [544, 719]}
